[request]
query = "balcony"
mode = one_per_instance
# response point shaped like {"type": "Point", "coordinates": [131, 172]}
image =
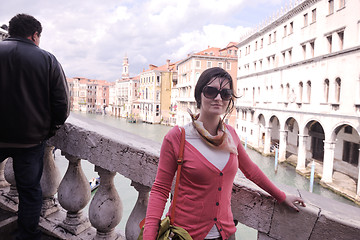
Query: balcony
{"type": "Point", "coordinates": [112, 152]}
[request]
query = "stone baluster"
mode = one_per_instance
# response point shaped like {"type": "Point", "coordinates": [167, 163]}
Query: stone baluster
{"type": "Point", "coordinates": [3, 182]}
{"type": "Point", "coordinates": [74, 193]}
{"type": "Point", "coordinates": [12, 195]}
{"type": "Point", "coordinates": [105, 211]}
{"type": "Point", "coordinates": [132, 229]}
{"type": "Point", "coordinates": [50, 181]}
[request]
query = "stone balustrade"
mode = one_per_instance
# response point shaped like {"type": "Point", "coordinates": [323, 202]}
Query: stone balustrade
{"type": "Point", "coordinates": [113, 151]}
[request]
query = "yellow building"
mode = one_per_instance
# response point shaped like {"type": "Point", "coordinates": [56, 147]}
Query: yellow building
{"type": "Point", "coordinates": [155, 92]}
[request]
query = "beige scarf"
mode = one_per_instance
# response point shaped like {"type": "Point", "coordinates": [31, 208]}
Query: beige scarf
{"type": "Point", "coordinates": [222, 141]}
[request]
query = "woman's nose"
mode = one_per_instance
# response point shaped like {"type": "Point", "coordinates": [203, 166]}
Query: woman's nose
{"type": "Point", "coordinates": [218, 97]}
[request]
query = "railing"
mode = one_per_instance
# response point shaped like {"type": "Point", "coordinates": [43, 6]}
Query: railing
{"type": "Point", "coordinates": [114, 151]}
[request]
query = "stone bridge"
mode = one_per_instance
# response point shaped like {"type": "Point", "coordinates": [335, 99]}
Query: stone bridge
{"type": "Point", "coordinates": [112, 152]}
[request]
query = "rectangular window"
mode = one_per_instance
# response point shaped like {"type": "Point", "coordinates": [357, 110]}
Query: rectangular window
{"type": "Point", "coordinates": [331, 6]}
{"type": "Point", "coordinates": [269, 38]}
{"type": "Point", "coordinates": [220, 64]}
{"type": "Point", "coordinates": [341, 4]}
{"type": "Point", "coordinates": [261, 43]}
{"type": "Point", "coordinates": [341, 40]}
{"type": "Point", "coordinates": [209, 64]}
{"type": "Point", "coordinates": [290, 56]}
{"type": "Point", "coordinates": [283, 56]}
{"type": "Point", "coordinates": [228, 66]}
{"type": "Point", "coordinates": [275, 36]}
{"type": "Point", "coordinates": [197, 64]}
{"type": "Point", "coordinates": [249, 49]}
{"type": "Point", "coordinates": [305, 19]}
{"type": "Point", "coordinates": [260, 63]}
{"type": "Point", "coordinates": [291, 28]}
{"type": "Point", "coordinates": [313, 15]}
{"type": "Point", "coordinates": [304, 50]}
{"type": "Point", "coordinates": [312, 48]}
{"type": "Point", "coordinates": [255, 45]}
{"type": "Point", "coordinates": [285, 30]}
{"type": "Point", "coordinates": [329, 42]}
{"type": "Point", "coordinates": [254, 66]}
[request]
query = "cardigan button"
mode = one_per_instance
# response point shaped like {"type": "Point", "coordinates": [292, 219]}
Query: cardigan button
{"type": "Point", "coordinates": [221, 174]}
{"type": "Point", "coordinates": [215, 219]}
{"type": "Point", "coordinates": [219, 188]}
{"type": "Point", "coordinates": [220, 229]}
{"type": "Point", "coordinates": [217, 203]}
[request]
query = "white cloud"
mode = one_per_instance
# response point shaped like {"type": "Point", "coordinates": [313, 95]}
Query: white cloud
{"type": "Point", "coordinates": [90, 38]}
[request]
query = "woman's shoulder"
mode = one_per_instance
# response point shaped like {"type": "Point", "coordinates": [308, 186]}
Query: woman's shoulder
{"type": "Point", "coordinates": [173, 132]}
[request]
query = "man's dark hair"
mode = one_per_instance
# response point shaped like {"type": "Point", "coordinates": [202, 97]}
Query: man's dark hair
{"type": "Point", "coordinates": [24, 25]}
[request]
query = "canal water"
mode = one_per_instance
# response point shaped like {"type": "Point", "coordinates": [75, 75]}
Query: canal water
{"type": "Point", "coordinates": [285, 174]}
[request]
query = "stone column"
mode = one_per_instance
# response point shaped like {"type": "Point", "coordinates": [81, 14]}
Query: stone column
{"type": "Point", "coordinates": [267, 140]}
{"type": "Point", "coordinates": [132, 229]}
{"type": "Point", "coordinates": [3, 182]}
{"type": "Point", "coordinates": [74, 193]}
{"type": "Point", "coordinates": [329, 148]}
{"type": "Point", "coordinates": [282, 146]}
{"type": "Point", "coordinates": [50, 181]}
{"type": "Point", "coordinates": [301, 162]}
{"type": "Point", "coordinates": [12, 195]}
{"type": "Point", "coordinates": [358, 185]}
{"type": "Point", "coordinates": [105, 211]}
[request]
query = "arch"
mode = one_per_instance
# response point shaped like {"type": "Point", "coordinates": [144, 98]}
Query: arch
{"type": "Point", "coordinates": [274, 125]}
{"type": "Point", "coordinates": [316, 136]}
{"type": "Point", "coordinates": [346, 153]}
{"type": "Point", "coordinates": [292, 128]}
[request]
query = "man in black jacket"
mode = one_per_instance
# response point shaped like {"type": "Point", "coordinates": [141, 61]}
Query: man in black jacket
{"type": "Point", "coordinates": [34, 103]}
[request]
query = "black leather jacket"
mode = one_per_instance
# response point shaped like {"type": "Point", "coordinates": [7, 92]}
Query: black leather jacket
{"type": "Point", "coordinates": [34, 95]}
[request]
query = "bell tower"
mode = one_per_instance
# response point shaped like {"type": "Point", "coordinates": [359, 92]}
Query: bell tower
{"type": "Point", "coordinates": [125, 71]}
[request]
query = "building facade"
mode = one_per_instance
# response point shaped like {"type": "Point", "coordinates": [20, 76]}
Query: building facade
{"type": "Point", "coordinates": [155, 93]}
{"type": "Point", "coordinates": [125, 93]}
{"type": "Point", "coordinates": [299, 77]}
{"type": "Point", "coordinates": [189, 71]}
{"type": "Point", "coordinates": [88, 95]}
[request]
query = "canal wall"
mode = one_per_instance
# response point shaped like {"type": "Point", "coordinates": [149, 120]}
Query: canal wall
{"type": "Point", "coordinates": [114, 151]}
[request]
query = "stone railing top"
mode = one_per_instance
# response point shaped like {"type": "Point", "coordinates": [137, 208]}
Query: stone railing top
{"type": "Point", "coordinates": [136, 158]}
{"type": "Point", "coordinates": [109, 147]}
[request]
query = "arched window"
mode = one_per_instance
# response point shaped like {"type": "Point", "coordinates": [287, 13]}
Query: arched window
{"type": "Point", "coordinates": [301, 86]}
{"type": "Point", "coordinates": [326, 90]}
{"type": "Point", "coordinates": [287, 93]}
{"type": "Point", "coordinates": [337, 89]}
{"type": "Point", "coordinates": [308, 91]}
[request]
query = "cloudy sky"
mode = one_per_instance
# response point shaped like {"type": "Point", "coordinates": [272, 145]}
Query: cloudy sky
{"type": "Point", "coordinates": [91, 37]}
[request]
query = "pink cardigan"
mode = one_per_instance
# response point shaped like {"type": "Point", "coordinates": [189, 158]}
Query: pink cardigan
{"type": "Point", "coordinates": [204, 196]}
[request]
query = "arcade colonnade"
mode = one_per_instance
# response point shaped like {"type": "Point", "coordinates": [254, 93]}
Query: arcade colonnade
{"type": "Point", "coordinates": [332, 141]}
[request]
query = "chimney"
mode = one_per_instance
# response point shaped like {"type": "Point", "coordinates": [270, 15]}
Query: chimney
{"type": "Point", "coordinates": [168, 64]}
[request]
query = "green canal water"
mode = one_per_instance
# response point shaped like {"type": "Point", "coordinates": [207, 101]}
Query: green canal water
{"type": "Point", "coordinates": [285, 174]}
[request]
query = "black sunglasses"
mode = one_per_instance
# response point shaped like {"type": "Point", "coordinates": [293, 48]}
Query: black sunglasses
{"type": "Point", "coordinates": [212, 92]}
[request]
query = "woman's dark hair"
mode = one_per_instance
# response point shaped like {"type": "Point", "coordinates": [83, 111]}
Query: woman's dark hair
{"type": "Point", "coordinates": [23, 25]}
{"type": "Point", "coordinates": [210, 75]}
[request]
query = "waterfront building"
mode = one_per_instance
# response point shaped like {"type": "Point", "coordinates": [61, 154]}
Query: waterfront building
{"type": "Point", "coordinates": [125, 91]}
{"type": "Point", "coordinates": [88, 95]}
{"type": "Point", "coordinates": [155, 93]}
{"type": "Point", "coordinates": [189, 71]}
{"type": "Point", "coordinates": [299, 77]}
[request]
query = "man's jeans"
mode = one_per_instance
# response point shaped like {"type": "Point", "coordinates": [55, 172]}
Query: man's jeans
{"type": "Point", "coordinates": [28, 167]}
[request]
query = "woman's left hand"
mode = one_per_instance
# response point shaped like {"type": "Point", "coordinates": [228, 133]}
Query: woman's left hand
{"type": "Point", "coordinates": [292, 201]}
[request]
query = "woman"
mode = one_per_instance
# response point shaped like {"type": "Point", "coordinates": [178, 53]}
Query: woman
{"type": "Point", "coordinates": [213, 153]}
